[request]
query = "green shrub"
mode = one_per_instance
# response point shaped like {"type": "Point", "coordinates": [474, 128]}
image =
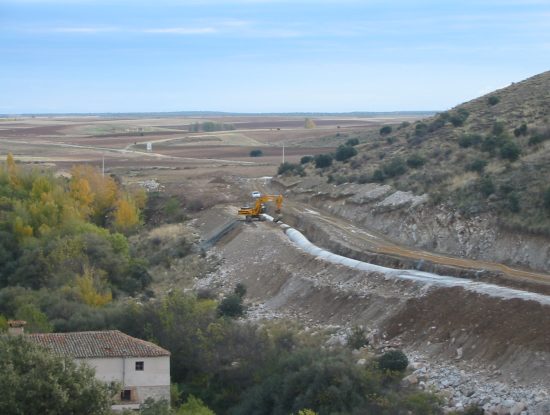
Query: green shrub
{"type": "Point", "coordinates": [395, 167]}
{"type": "Point", "coordinates": [510, 151]}
{"type": "Point", "coordinates": [323, 160]}
{"type": "Point", "coordinates": [357, 338]}
{"type": "Point", "coordinates": [290, 168]}
{"type": "Point", "coordinates": [477, 165]}
{"type": "Point", "coordinates": [458, 118]}
{"type": "Point", "coordinates": [546, 199]}
{"type": "Point", "coordinates": [468, 140]}
{"type": "Point", "coordinates": [415, 161]}
{"type": "Point", "coordinates": [231, 306]}
{"type": "Point", "coordinates": [498, 128]}
{"type": "Point", "coordinates": [256, 153]}
{"type": "Point", "coordinates": [420, 130]}
{"type": "Point", "coordinates": [404, 124]}
{"type": "Point", "coordinates": [378, 176]}
{"type": "Point", "coordinates": [385, 130]}
{"type": "Point", "coordinates": [513, 202]}
{"type": "Point", "coordinates": [306, 159]}
{"type": "Point", "coordinates": [240, 290]}
{"type": "Point", "coordinates": [521, 130]}
{"type": "Point", "coordinates": [394, 360]}
{"type": "Point", "coordinates": [486, 186]}
{"type": "Point", "coordinates": [345, 152]}
{"type": "Point", "coordinates": [352, 142]}
{"type": "Point", "coordinates": [490, 144]}
{"type": "Point", "coordinates": [493, 100]}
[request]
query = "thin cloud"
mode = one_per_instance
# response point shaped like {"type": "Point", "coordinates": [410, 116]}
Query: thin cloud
{"type": "Point", "coordinates": [183, 30]}
{"type": "Point", "coordinates": [88, 29]}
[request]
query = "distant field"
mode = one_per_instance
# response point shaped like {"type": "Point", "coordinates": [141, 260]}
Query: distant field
{"type": "Point", "coordinates": [64, 141]}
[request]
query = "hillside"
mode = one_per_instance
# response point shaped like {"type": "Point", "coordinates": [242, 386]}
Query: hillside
{"type": "Point", "coordinates": [489, 154]}
{"type": "Point", "coordinates": [485, 161]}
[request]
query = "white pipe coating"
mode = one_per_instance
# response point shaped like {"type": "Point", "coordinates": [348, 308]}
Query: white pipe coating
{"type": "Point", "coordinates": [413, 275]}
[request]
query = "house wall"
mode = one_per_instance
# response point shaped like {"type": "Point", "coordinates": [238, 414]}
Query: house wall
{"type": "Point", "coordinates": [153, 381]}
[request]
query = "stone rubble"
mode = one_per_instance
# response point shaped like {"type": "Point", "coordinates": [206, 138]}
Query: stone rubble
{"type": "Point", "coordinates": [462, 388]}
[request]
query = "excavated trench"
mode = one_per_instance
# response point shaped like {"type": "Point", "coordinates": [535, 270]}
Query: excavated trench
{"type": "Point", "coordinates": [319, 234]}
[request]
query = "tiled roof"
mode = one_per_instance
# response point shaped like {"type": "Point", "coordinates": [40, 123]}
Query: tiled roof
{"type": "Point", "coordinates": [111, 343]}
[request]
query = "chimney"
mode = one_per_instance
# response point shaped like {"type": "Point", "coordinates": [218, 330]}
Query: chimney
{"type": "Point", "coordinates": [16, 327]}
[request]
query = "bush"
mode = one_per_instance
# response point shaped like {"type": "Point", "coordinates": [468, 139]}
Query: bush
{"type": "Point", "coordinates": [323, 160]}
{"type": "Point", "coordinates": [546, 199]}
{"type": "Point", "coordinates": [513, 202]}
{"type": "Point", "coordinates": [478, 165]}
{"type": "Point", "coordinates": [521, 130]}
{"type": "Point", "coordinates": [394, 360]}
{"type": "Point", "coordinates": [231, 306]}
{"type": "Point", "coordinates": [385, 130]}
{"type": "Point", "coordinates": [498, 128]}
{"type": "Point", "coordinates": [256, 153]}
{"type": "Point", "coordinates": [345, 152]}
{"type": "Point", "coordinates": [357, 338]}
{"type": "Point", "coordinates": [468, 140]}
{"type": "Point", "coordinates": [510, 151]}
{"type": "Point", "coordinates": [458, 118]}
{"type": "Point", "coordinates": [415, 161]}
{"type": "Point", "coordinates": [195, 205]}
{"type": "Point", "coordinates": [352, 142]}
{"type": "Point", "coordinates": [290, 168]}
{"type": "Point", "coordinates": [493, 100]}
{"type": "Point", "coordinates": [378, 176]}
{"type": "Point", "coordinates": [486, 186]}
{"type": "Point", "coordinates": [404, 124]}
{"type": "Point", "coordinates": [395, 167]}
{"type": "Point", "coordinates": [240, 290]}
{"type": "Point", "coordinates": [306, 159]}
{"type": "Point", "coordinates": [420, 130]}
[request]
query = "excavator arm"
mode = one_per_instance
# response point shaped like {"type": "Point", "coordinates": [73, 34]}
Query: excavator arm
{"type": "Point", "coordinates": [259, 206]}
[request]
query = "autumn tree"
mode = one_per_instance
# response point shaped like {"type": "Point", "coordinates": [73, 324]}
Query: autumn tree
{"type": "Point", "coordinates": [309, 123]}
{"type": "Point", "coordinates": [126, 215]}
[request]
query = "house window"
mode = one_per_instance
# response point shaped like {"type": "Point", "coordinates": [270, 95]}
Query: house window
{"type": "Point", "coordinates": [126, 395]}
{"type": "Point", "coordinates": [139, 365]}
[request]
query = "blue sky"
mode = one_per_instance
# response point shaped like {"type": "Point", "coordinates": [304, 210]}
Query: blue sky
{"type": "Point", "coordinates": [264, 55]}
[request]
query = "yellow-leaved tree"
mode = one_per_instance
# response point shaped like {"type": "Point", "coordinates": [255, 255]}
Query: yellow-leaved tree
{"type": "Point", "coordinates": [126, 216]}
{"type": "Point", "coordinates": [12, 171]}
{"type": "Point", "coordinates": [103, 188]}
{"type": "Point", "coordinates": [91, 288]}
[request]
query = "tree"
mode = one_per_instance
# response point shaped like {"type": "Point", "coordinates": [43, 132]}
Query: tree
{"type": "Point", "coordinates": [415, 161]}
{"type": "Point", "coordinates": [352, 142]}
{"type": "Point", "coordinates": [194, 406]}
{"type": "Point", "coordinates": [493, 100]}
{"type": "Point", "coordinates": [126, 216]}
{"type": "Point", "coordinates": [256, 153]}
{"type": "Point", "coordinates": [306, 159]}
{"type": "Point", "coordinates": [36, 382]}
{"type": "Point", "coordinates": [309, 123]}
{"type": "Point", "coordinates": [510, 151]}
{"type": "Point", "coordinates": [344, 152]}
{"type": "Point", "coordinates": [323, 160]}
{"type": "Point", "coordinates": [394, 360]}
{"type": "Point", "coordinates": [231, 306]}
{"type": "Point", "coordinates": [385, 130]}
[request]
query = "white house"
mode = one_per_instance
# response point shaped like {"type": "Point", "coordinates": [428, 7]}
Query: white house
{"type": "Point", "coordinates": [140, 367]}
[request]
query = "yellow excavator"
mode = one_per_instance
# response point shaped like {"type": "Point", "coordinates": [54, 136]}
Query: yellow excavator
{"type": "Point", "coordinates": [256, 211]}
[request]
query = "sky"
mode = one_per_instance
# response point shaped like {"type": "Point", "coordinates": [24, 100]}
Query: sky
{"type": "Point", "coordinates": [60, 56]}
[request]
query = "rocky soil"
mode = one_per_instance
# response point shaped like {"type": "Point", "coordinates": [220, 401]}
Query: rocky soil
{"type": "Point", "coordinates": [470, 347]}
{"type": "Point", "coordinates": [408, 218]}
